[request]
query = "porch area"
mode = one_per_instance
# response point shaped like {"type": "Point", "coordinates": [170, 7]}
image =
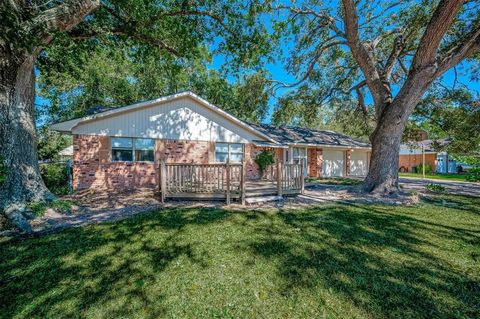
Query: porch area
{"type": "Point", "coordinates": [227, 181]}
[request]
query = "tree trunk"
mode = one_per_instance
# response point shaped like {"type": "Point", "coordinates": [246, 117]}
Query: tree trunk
{"type": "Point", "coordinates": [17, 136]}
{"type": "Point", "coordinates": [383, 171]}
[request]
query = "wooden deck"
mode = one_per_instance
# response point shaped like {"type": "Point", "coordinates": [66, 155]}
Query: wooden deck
{"type": "Point", "coordinates": [227, 181]}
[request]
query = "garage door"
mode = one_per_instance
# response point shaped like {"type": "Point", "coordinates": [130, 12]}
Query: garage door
{"type": "Point", "coordinates": [358, 163]}
{"type": "Point", "coordinates": [333, 163]}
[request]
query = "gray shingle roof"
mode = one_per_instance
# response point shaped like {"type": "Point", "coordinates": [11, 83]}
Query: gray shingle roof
{"type": "Point", "coordinates": [297, 135]}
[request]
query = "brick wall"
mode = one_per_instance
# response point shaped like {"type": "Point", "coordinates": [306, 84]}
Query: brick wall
{"type": "Point", "coordinates": [347, 162]}
{"type": "Point", "coordinates": [93, 168]}
{"type": "Point", "coordinates": [252, 169]}
{"type": "Point", "coordinates": [411, 160]}
{"type": "Point", "coordinates": [315, 159]}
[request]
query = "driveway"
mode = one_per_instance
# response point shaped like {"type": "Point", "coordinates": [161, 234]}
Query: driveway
{"type": "Point", "coordinates": [453, 187]}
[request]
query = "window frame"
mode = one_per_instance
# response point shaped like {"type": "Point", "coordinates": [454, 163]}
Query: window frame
{"type": "Point", "coordinates": [229, 152]}
{"type": "Point", "coordinates": [133, 149]}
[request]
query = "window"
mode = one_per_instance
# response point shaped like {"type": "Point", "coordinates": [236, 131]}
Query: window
{"type": "Point", "coordinates": [125, 149]}
{"type": "Point", "coordinates": [122, 149]}
{"type": "Point", "coordinates": [225, 151]}
{"type": "Point", "coordinates": [144, 149]}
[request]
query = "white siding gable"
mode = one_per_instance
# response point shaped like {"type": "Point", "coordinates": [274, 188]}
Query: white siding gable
{"type": "Point", "coordinates": [180, 119]}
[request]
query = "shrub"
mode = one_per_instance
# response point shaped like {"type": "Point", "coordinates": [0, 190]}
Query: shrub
{"type": "Point", "coordinates": [264, 159]}
{"type": "Point", "coordinates": [428, 168]}
{"type": "Point", "coordinates": [474, 174]}
{"type": "Point", "coordinates": [55, 176]}
{"type": "Point", "coordinates": [435, 188]}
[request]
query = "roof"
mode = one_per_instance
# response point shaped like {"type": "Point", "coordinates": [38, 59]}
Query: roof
{"type": "Point", "coordinates": [275, 136]}
{"type": "Point", "coordinates": [67, 126]}
{"type": "Point", "coordinates": [288, 135]}
{"type": "Point", "coordinates": [428, 145]}
{"type": "Point", "coordinates": [67, 151]}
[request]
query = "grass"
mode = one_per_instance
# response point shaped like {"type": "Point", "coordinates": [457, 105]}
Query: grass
{"type": "Point", "coordinates": [438, 176]}
{"type": "Point", "coordinates": [39, 208]}
{"type": "Point", "coordinates": [333, 261]}
{"type": "Point", "coordinates": [335, 180]}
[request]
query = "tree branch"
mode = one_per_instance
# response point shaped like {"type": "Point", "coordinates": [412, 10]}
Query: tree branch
{"type": "Point", "coordinates": [437, 27]}
{"type": "Point", "coordinates": [62, 17]}
{"type": "Point", "coordinates": [467, 48]}
{"type": "Point", "coordinates": [365, 59]}
{"type": "Point", "coordinates": [310, 67]}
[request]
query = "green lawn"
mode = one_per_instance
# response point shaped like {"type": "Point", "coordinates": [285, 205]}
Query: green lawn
{"type": "Point", "coordinates": [335, 261]}
{"type": "Point", "coordinates": [446, 177]}
{"type": "Point", "coordinates": [345, 181]}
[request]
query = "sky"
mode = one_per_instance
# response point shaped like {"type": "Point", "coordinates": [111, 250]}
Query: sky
{"type": "Point", "coordinates": [278, 72]}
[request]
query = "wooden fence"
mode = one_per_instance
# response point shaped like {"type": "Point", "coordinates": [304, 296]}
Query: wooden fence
{"type": "Point", "coordinates": [223, 180]}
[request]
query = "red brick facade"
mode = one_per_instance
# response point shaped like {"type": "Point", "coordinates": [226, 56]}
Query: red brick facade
{"type": "Point", "coordinates": [93, 168]}
{"type": "Point", "coordinates": [251, 152]}
{"type": "Point", "coordinates": [315, 159]}
{"type": "Point", "coordinates": [407, 162]}
{"type": "Point", "coordinates": [347, 162]}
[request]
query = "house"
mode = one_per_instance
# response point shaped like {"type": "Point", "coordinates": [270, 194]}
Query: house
{"type": "Point", "coordinates": [123, 147]}
{"type": "Point", "coordinates": [66, 153]}
{"type": "Point", "coordinates": [411, 155]}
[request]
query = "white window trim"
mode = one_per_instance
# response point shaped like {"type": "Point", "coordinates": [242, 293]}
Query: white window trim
{"type": "Point", "coordinates": [229, 152]}
{"type": "Point", "coordinates": [133, 149]}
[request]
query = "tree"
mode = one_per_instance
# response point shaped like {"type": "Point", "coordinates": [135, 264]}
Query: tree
{"type": "Point", "coordinates": [27, 27]}
{"type": "Point", "coordinates": [386, 52]}
{"type": "Point", "coordinates": [113, 75]}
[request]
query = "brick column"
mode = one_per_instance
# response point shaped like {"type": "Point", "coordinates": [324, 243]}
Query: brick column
{"type": "Point", "coordinates": [319, 162]}
{"type": "Point", "coordinates": [347, 162]}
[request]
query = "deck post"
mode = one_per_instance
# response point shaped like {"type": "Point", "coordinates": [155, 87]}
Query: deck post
{"type": "Point", "coordinates": [227, 171]}
{"type": "Point", "coordinates": [163, 180]}
{"type": "Point", "coordinates": [242, 183]}
{"type": "Point", "coordinates": [302, 177]}
{"type": "Point", "coordinates": [279, 178]}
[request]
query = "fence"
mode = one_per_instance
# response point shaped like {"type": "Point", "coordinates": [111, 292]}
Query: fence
{"type": "Point", "coordinates": [222, 180]}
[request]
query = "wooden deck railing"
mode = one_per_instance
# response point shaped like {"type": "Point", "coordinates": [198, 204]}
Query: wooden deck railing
{"type": "Point", "coordinates": [222, 180]}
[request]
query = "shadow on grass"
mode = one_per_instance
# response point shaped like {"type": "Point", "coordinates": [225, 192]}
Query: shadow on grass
{"type": "Point", "coordinates": [88, 268]}
{"type": "Point", "coordinates": [384, 263]}
{"type": "Point", "coordinates": [377, 260]}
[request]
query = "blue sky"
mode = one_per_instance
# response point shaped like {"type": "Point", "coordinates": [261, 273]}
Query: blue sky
{"type": "Point", "coordinates": [278, 72]}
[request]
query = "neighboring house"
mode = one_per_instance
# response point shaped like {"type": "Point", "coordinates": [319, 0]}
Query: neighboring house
{"type": "Point", "coordinates": [411, 155]}
{"type": "Point", "coordinates": [123, 147]}
{"type": "Point", "coordinates": [66, 153]}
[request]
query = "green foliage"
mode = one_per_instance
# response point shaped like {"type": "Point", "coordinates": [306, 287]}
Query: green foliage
{"type": "Point", "coordinates": [264, 159]}
{"type": "Point", "coordinates": [49, 143]}
{"type": "Point", "coordinates": [55, 176]}
{"type": "Point", "coordinates": [454, 114]}
{"type": "Point", "coordinates": [428, 168]}
{"type": "Point", "coordinates": [435, 188]}
{"type": "Point", "coordinates": [474, 174]}
{"type": "Point", "coordinates": [63, 206]}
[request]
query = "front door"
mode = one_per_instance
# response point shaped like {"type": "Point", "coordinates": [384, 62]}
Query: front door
{"type": "Point", "coordinates": [300, 154]}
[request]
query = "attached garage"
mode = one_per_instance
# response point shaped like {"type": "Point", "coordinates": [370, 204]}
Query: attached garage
{"type": "Point", "coordinates": [358, 163]}
{"type": "Point", "coordinates": [333, 163]}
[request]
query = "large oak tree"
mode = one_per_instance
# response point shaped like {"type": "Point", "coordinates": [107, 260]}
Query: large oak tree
{"type": "Point", "coordinates": [27, 27]}
{"type": "Point", "coordinates": [386, 52]}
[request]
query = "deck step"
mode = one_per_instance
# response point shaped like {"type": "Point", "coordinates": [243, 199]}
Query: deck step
{"type": "Point", "coordinates": [262, 199]}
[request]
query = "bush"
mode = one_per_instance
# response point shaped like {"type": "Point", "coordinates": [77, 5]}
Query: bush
{"type": "Point", "coordinates": [435, 188]}
{"type": "Point", "coordinates": [55, 176]}
{"type": "Point", "coordinates": [264, 159]}
{"type": "Point", "coordinates": [428, 168]}
{"type": "Point", "coordinates": [474, 174]}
